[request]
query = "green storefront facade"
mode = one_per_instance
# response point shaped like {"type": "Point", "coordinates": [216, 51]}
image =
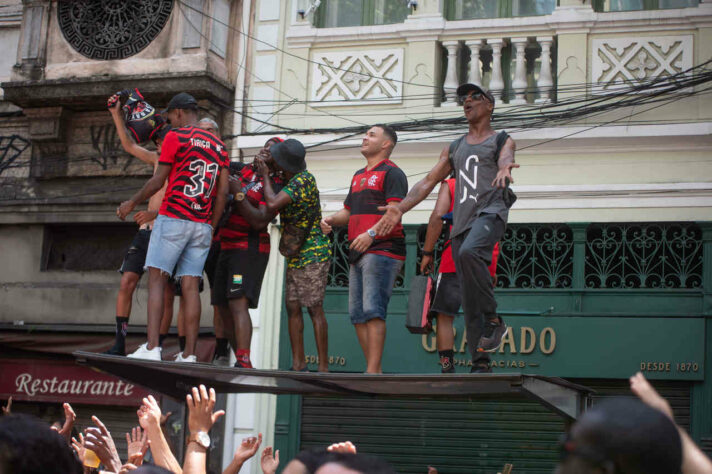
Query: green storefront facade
{"type": "Point", "coordinates": [592, 303]}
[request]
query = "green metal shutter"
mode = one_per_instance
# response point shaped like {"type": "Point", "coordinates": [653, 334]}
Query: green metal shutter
{"type": "Point", "coordinates": [677, 393]}
{"type": "Point", "coordinates": [454, 436]}
{"type": "Point", "coordinates": [457, 436]}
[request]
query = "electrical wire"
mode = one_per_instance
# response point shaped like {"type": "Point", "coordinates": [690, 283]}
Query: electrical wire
{"type": "Point", "coordinates": [288, 53]}
{"type": "Point", "coordinates": [248, 71]}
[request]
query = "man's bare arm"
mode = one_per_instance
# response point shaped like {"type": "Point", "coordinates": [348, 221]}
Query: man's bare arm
{"type": "Point", "coordinates": [435, 226]}
{"type": "Point", "coordinates": [417, 194]}
{"type": "Point", "coordinates": [220, 197]}
{"type": "Point", "coordinates": [505, 164]}
{"type": "Point", "coordinates": [339, 219]}
{"type": "Point", "coordinates": [151, 187]}
{"type": "Point", "coordinates": [257, 217]}
{"type": "Point", "coordinates": [131, 147]}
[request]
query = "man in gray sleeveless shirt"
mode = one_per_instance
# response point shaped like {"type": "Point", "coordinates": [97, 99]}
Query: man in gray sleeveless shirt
{"type": "Point", "coordinates": [482, 161]}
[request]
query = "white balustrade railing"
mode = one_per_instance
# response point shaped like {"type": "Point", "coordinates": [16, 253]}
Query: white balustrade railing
{"type": "Point", "coordinates": [485, 62]}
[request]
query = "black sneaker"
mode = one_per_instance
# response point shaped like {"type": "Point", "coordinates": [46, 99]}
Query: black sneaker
{"type": "Point", "coordinates": [446, 365]}
{"type": "Point", "coordinates": [492, 337]}
{"type": "Point", "coordinates": [481, 368]}
{"type": "Point", "coordinates": [115, 351]}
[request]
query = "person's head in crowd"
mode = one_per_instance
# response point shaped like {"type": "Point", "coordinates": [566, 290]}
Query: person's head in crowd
{"type": "Point", "coordinates": [325, 462]}
{"type": "Point", "coordinates": [346, 463]}
{"type": "Point", "coordinates": [379, 140]}
{"type": "Point", "coordinates": [288, 157]}
{"type": "Point", "coordinates": [159, 135]}
{"type": "Point", "coordinates": [209, 125]}
{"type": "Point", "coordinates": [265, 155]}
{"type": "Point", "coordinates": [29, 446]}
{"type": "Point", "coordinates": [622, 436]}
{"type": "Point", "coordinates": [306, 462]}
{"type": "Point", "coordinates": [181, 111]}
{"type": "Point", "coordinates": [477, 102]}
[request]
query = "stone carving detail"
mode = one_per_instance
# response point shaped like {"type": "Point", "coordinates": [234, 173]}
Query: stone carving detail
{"type": "Point", "coordinates": [358, 77]}
{"type": "Point", "coordinates": [112, 29]}
{"type": "Point", "coordinates": [619, 61]}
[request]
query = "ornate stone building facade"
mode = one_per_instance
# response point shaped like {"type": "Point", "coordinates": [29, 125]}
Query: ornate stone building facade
{"type": "Point", "coordinates": [63, 171]}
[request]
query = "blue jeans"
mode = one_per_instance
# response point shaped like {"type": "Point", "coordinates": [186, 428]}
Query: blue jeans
{"type": "Point", "coordinates": [179, 244]}
{"type": "Point", "coordinates": [371, 282]}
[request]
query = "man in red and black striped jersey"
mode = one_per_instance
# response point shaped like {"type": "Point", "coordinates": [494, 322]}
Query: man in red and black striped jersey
{"type": "Point", "coordinates": [244, 252]}
{"type": "Point", "coordinates": [195, 163]}
{"type": "Point", "coordinates": [375, 260]}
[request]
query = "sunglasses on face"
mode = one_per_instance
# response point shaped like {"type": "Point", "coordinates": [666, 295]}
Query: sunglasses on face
{"type": "Point", "coordinates": [472, 95]}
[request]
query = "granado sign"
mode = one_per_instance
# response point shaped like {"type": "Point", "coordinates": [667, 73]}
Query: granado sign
{"type": "Point", "coordinates": [56, 382]}
{"type": "Point", "coordinates": [572, 347]}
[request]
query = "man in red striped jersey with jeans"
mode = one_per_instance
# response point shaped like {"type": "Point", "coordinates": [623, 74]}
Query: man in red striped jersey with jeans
{"type": "Point", "coordinates": [195, 162]}
{"type": "Point", "coordinates": [375, 260]}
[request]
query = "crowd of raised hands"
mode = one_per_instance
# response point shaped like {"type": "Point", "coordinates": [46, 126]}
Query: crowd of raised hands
{"type": "Point", "coordinates": [94, 449]}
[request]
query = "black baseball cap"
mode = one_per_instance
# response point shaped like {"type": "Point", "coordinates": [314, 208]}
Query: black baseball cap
{"type": "Point", "coordinates": [465, 89]}
{"type": "Point", "coordinates": [182, 100]}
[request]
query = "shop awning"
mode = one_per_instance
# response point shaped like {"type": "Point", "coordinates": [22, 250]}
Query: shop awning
{"type": "Point", "coordinates": [175, 379]}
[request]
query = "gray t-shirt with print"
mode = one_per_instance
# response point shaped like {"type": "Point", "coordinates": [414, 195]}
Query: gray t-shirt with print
{"type": "Point", "coordinates": [475, 168]}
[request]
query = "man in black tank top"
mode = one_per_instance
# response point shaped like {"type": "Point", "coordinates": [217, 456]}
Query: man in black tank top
{"type": "Point", "coordinates": [482, 160]}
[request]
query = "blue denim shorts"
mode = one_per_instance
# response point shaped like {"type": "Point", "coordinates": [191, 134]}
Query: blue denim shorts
{"type": "Point", "coordinates": [179, 244]}
{"type": "Point", "coordinates": [371, 282]}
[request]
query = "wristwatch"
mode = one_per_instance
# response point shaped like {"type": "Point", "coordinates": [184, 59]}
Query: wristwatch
{"type": "Point", "coordinates": [371, 233]}
{"type": "Point", "coordinates": [202, 438]}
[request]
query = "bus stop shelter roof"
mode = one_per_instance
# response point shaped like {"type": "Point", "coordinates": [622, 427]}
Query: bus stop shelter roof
{"type": "Point", "coordinates": [175, 379]}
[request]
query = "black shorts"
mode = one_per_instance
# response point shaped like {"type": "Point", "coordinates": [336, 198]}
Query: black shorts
{"type": "Point", "coordinates": [239, 273]}
{"type": "Point", "coordinates": [178, 289]}
{"type": "Point", "coordinates": [448, 296]}
{"type": "Point", "coordinates": [136, 254]}
{"type": "Point", "coordinates": [211, 263]}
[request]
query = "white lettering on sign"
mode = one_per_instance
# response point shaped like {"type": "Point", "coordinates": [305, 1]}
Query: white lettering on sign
{"type": "Point", "coordinates": [25, 383]}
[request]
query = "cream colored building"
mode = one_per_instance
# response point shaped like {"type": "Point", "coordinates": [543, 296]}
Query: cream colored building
{"type": "Point", "coordinates": [626, 165]}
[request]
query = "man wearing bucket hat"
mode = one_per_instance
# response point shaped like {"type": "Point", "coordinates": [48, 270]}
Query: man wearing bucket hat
{"type": "Point", "coordinates": [307, 249]}
{"type": "Point", "coordinates": [482, 160]}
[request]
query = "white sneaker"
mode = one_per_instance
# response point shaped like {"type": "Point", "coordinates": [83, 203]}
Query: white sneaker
{"type": "Point", "coordinates": [143, 352]}
{"type": "Point", "coordinates": [190, 358]}
{"type": "Point", "coordinates": [222, 361]}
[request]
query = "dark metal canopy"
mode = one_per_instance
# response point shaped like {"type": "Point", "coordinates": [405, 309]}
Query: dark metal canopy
{"type": "Point", "coordinates": [175, 379]}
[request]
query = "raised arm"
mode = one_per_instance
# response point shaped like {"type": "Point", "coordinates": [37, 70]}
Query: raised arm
{"type": "Point", "coordinates": [151, 187]}
{"type": "Point", "coordinates": [505, 164]}
{"type": "Point", "coordinates": [274, 201]}
{"type": "Point", "coordinates": [435, 227]}
{"type": "Point", "coordinates": [417, 193]}
{"type": "Point", "coordinates": [149, 417]}
{"type": "Point", "coordinates": [201, 418]}
{"type": "Point", "coordinates": [130, 146]}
